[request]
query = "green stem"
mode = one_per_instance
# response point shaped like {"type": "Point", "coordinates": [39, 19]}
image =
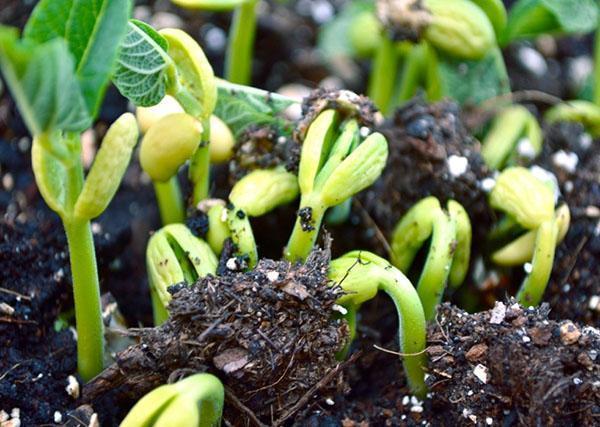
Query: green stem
{"type": "Point", "coordinates": [385, 68]}
{"type": "Point", "coordinates": [596, 76]}
{"type": "Point", "coordinates": [86, 294]}
{"type": "Point", "coordinates": [200, 166]}
{"type": "Point", "coordinates": [242, 235]}
{"type": "Point", "coordinates": [306, 230]}
{"type": "Point", "coordinates": [437, 266]}
{"type": "Point", "coordinates": [170, 201]}
{"type": "Point", "coordinates": [412, 73]}
{"type": "Point", "coordinates": [534, 285]}
{"type": "Point", "coordinates": [238, 60]}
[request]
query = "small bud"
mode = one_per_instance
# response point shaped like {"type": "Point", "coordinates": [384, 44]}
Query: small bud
{"type": "Point", "coordinates": [584, 112]}
{"type": "Point", "coordinates": [459, 28]}
{"type": "Point", "coordinates": [109, 167]}
{"type": "Point", "coordinates": [221, 141]}
{"type": "Point", "coordinates": [521, 195]}
{"type": "Point", "coordinates": [263, 190]}
{"type": "Point", "coordinates": [168, 144]}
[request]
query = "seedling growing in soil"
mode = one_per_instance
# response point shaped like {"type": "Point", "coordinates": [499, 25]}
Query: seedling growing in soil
{"type": "Point", "coordinates": [529, 202]}
{"type": "Point", "coordinates": [174, 255]}
{"type": "Point", "coordinates": [58, 74]}
{"type": "Point", "coordinates": [449, 250]}
{"type": "Point", "coordinates": [238, 58]}
{"type": "Point", "coordinates": [256, 194]}
{"type": "Point", "coordinates": [514, 133]}
{"type": "Point", "coordinates": [584, 112]}
{"type": "Point", "coordinates": [334, 166]}
{"type": "Point", "coordinates": [196, 401]}
{"type": "Point", "coordinates": [361, 275]}
{"type": "Point", "coordinates": [459, 29]}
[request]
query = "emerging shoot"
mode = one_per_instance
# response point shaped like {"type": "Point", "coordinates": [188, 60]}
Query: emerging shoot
{"type": "Point", "coordinates": [196, 401]}
{"type": "Point", "coordinates": [529, 202]}
{"type": "Point", "coordinates": [361, 275]}
{"type": "Point", "coordinates": [173, 256]}
{"type": "Point", "coordinates": [449, 250]}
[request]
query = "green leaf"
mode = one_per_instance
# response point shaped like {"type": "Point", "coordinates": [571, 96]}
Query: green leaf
{"type": "Point", "coordinates": [93, 30]}
{"type": "Point", "coordinates": [43, 83]}
{"type": "Point", "coordinates": [142, 65]}
{"type": "Point", "coordinates": [241, 109]}
{"type": "Point", "coordinates": [337, 38]}
{"type": "Point", "coordinates": [473, 81]}
{"type": "Point", "coordinates": [529, 18]}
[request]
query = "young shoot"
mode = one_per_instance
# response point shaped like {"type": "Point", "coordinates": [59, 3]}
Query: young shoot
{"type": "Point", "coordinates": [196, 401]}
{"type": "Point", "coordinates": [449, 250]}
{"type": "Point", "coordinates": [334, 166]}
{"type": "Point", "coordinates": [362, 275]}
{"type": "Point", "coordinates": [418, 33]}
{"type": "Point", "coordinates": [58, 90]}
{"type": "Point", "coordinates": [173, 256]}
{"type": "Point", "coordinates": [515, 134]}
{"type": "Point", "coordinates": [529, 202]}
{"type": "Point", "coordinates": [256, 194]}
{"type": "Point", "coordinates": [240, 46]}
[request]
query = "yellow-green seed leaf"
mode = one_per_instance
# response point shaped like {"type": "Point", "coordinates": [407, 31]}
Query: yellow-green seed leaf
{"type": "Point", "coordinates": [523, 196]}
{"type": "Point", "coordinates": [148, 407]}
{"type": "Point", "coordinates": [109, 167]}
{"type": "Point", "coordinates": [50, 176]}
{"type": "Point", "coordinates": [459, 28]}
{"type": "Point", "coordinates": [168, 144]}
{"type": "Point", "coordinates": [314, 148]}
{"type": "Point", "coordinates": [508, 126]}
{"type": "Point", "coordinates": [263, 190]}
{"type": "Point", "coordinates": [359, 170]}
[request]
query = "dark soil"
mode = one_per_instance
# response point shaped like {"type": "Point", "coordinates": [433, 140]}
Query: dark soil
{"type": "Point", "coordinates": [535, 371]}
{"type": "Point", "coordinates": [268, 333]}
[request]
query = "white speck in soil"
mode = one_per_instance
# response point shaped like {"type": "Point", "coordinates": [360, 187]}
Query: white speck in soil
{"type": "Point", "coordinates": [525, 149]}
{"type": "Point", "coordinates": [526, 339]}
{"type": "Point", "coordinates": [566, 288]}
{"type": "Point", "coordinates": [340, 309]}
{"type": "Point", "coordinates": [466, 412]}
{"type": "Point", "coordinates": [215, 38]}
{"type": "Point", "coordinates": [528, 267]}
{"type": "Point", "coordinates": [405, 400]}
{"type": "Point", "coordinates": [232, 264]}
{"type": "Point", "coordinates": [457, 165]}
{"type": "Point", "coordinates": [594, 303]}
{"type": "Point", "coordinates": [6, 309]}
{"type": "Point", "coordinates": [498, 313]}
{"type": "Point", "coordinates": [416, 408]}
{"type": "Point", "coordinates": [72, 387]}
{"type": "Point", "coordinates": [489, 421]}
{"type": "Point", "coordinates": [579, 68]}
{"type": "Point", "coordinates": [585, 140]}
{"type": "Point", "coordinates": [273, 276]}
{"type": "Point", "coordinates": [577, 381]}
{"type": "Point", "coordinates": [481, 372]}
{"type": "Point", "coordinates": [565, 160]}
{"type": "Point", "coordinates": [24, 144]}
{"type": "Point", "coordinates": [364, 131]}
{"type": "Point", "coordinates": [568, 186]}
{"type": "Point", "coordinates": [96, 228]}
{"type": "Point", "coordinates": [3, 416]}
{"type": "Point", "coordinates": [547, 177]}
{"type": "Point", "coordinates": [533, 61]}
{"type": "Point", "coordinates": [8, 182]}
{"type": "Point", "coordinates": [487, 184]}
{"type": "Point", "coordinates": [57, 417]}
{"type": "Point", "coordinates": [329, 401]}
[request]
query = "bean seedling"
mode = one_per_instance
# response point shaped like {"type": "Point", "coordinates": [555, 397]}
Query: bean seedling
{"type": "Point", "coordinates": [449, 250]}
{"type": "Point", "coordinates": [57, 73]}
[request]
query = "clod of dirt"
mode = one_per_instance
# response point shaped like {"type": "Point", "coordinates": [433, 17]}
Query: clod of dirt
{"type": "Point", "coordinates": [524, 370]}
{"type": "Point", "coordinates": [345, 102]}
{"type": "Point", "coordinates": [262, 147]}
{"type": "Point", "coordinates": [430, 154]}
{"type": "Point", "coordinates": [268, 334]}
{"type": "Point", "coordinates": [404, 19]}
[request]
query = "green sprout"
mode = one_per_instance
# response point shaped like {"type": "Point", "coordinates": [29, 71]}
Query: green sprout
{"type": "Point", "coordinates": [238, 58]}
{"type": "Point", "coordinates": [529, 202]}
{"type": "Point", "coordinates": [514, 132]}
{"type": "Point", "coordinates": [196, 401]}
{"type": "Point", "coordinates": [57, 73]}
{"type": "Point", "coordinates": [256, 194]}
{"type": "Point", "coordinates": [334, 166]}
{"type": "Point", "coordinates": [174, 255]}
{"type": "Point", "coordinates": [361, 275]}
{"type": "Point", "coordinates": [584, 112]}
{"type": "Point", "coordinates": [449, 250]}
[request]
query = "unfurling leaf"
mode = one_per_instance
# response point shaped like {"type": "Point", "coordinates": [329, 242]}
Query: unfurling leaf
{"type": "Point", "coordinates": [142, 65]}
{"type": "Point", "coordinates": [109, 167]}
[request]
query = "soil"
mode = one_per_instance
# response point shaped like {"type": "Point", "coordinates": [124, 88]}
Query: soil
{"type": "Point", "coordinates": [268, 333]}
